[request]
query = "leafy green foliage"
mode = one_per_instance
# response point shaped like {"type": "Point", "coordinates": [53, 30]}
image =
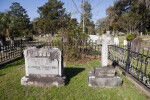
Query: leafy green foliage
{"type": "Point", "coordinates": [127, 16]}
{"type": "Point", "coordinates": [50, 16]}
{"type": "Point", "coordinates": [21, 22]}
{"type": "Point", "coordinates": [89, 25]}
{"type": "Point", "coordinates": [75, 38]}
{"type": "Point", "coordinates": [129, 37]}
{"type": "Point", "coordinates": [14, 22]}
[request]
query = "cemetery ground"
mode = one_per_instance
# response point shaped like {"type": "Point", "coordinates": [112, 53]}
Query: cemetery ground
{"type": "Point", "coordinates": [145, 40]}
{"type": "Point", "coordinates": [76, 85]}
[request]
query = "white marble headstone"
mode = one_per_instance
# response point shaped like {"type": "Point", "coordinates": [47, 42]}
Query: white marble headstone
{"type": "Point", "coordinates": [116, 41]}
{"type": "Point", "coordinates": [93, 38]}
{"type": "Point", "coordinates": [125, 42]}
{"type": "Point", "coordinates": [108, 32]}
{"type": "Point", "coordinates": [105, 42]}
{"type": "Point", "coordinates": [43, 62]}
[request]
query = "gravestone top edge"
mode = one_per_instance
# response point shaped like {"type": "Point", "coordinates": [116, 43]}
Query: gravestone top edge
{"type": "Point", "coordinates": [29, 52]}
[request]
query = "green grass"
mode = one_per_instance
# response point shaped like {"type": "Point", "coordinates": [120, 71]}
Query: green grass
{"type": "Point", "coordinates": [76, 86]}
{"type": "Point", "coordinates": [37, 38]}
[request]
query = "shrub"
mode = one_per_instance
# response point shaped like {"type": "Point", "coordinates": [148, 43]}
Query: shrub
{"type": "Point", "coordinates": [29, 37]}
{"type": "Point", "coordinates": [129, 37]}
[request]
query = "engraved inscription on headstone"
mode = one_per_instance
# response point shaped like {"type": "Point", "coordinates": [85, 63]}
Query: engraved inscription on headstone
{"type": "Point", "coordinates": [43, 61]}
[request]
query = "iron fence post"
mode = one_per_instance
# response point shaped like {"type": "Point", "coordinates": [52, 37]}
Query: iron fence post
{"type": "Point", "coordinates": [0, 48]}
{"type": "Point", "coordinates": [62, 52]}
{"type": "Point", "coordinates": [128, 57]}
{"type": "Point", "coordinates": [21, 48]}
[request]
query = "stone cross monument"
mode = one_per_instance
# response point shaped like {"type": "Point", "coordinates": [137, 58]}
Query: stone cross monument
{"type": "Point", "coordinates": [105, 41]}
{"type": "Point", "coordinates": [104, 75]}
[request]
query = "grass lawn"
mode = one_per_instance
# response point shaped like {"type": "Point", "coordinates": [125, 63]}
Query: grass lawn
{"type": "Point", "coordinates": [76, 86]}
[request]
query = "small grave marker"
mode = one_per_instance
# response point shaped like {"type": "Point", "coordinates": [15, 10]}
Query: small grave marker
{"type": "Point", "coordinates": [136, 45]}
{"type": "Point", "coordinates": [116, 41]}
{"type": "Point", "coordinates": [125, 42]}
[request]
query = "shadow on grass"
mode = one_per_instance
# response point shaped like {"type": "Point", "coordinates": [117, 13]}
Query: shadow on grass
{"type": "Point", "coordinates": [2, 74]}
{"type": "Point", "coordinates": [15, 62]}
{"type": "Point", "coordinates": [71, 72]}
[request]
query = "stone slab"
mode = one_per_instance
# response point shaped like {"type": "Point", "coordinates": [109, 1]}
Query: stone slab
{"type": "Point", "coordinates": [44, 67]}
{"type": "Point", "coordinates": [43, 81]}
{"type": "Point", "coordinates": [43, 61]}
{"type": "Point", "coordinates": [104, 71]}
{"type": "Point", "coordinates": [104, 81]}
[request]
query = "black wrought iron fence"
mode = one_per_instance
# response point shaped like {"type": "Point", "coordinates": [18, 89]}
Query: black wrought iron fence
{"type": "Point", "coordinates": [135, 63]}
{"type": "Point", "coordinates": [10, 52]}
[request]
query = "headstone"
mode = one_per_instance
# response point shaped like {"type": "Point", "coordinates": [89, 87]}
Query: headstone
{"type": "Point", "coordinates": [125, 42]}
{"type": "Point", "coordinates": [47, 35]}
{"type": "Point", "coordinates": [1, 42]}
{"type": "Point", "coordinates": [108, 32]}
{"type": "Point", "coordinates": [93, 38]}
{"type": "Point", "coordinates": [121, 33]}
{"type": "Point", "coordinates": [99, 41]}
{"type": "Point", "coordinates": [11, 40]}
{"type": "Point", "coordinates": [65, 40]}
{"type": "Point", "coordinates": [136, 45]}
{"type": "Point", "coordinates": [141, 33]}
{"type": "Point", "coordinates": [104, 75]}
{"type": "Point", "coordinates": [43, 67]}
{"type": "Point", "coordinates": [116, 41]}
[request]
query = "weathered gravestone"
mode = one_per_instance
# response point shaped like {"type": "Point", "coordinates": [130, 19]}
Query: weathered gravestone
{"type": "Point", "coordinates": [136, 45]}
{"type": "Point", "coordinates": [104, 75]}
{"type": "Point", "coordinates": [43, 67]}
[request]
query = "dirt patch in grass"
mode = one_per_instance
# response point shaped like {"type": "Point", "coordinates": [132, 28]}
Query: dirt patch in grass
{"type": "Point", "coordinates": [83, 59]}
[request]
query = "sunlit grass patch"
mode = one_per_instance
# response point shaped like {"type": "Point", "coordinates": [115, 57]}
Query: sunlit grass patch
{"type": "Point", "coordinates": [76, 85]}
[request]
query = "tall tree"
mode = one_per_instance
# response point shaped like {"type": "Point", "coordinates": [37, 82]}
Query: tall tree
{"type": "Point", "coordinates": [22, 19]}
{"type": "Point", "coordinates": [87, 18]}
{"type": "Point", "coordinates": [50, 16]}
{"type": "Point", "coordinates": [87, 11]}
{"type": "Point", "coordinates": [146, 3]}
{"type": "Point", "coordinates": [8, 26]}
{"type": "Point", "coordinates": [128, 16]}
{"type": "Point", "coordinates": [101, 25]}
{"type": "Point", "coordinates": [3, 26]}
{"type": "Point", "coordinates": [36, 26]}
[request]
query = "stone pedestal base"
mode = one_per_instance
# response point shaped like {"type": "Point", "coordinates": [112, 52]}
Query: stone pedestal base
{"type": "Point", "coordinates": [43, 81]}
{"type": "Point", "coordinates": [104, 76]}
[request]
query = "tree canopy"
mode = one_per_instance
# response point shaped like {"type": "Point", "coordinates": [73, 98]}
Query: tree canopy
{"type": "Point", "coordinates": [128, 16]}
{"type": "Point", "coordinates": [89, 24]}
{"type": "Point", "coordinates": [21, 18]}
{"type": "Point", "coordinates": [50, 16]}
